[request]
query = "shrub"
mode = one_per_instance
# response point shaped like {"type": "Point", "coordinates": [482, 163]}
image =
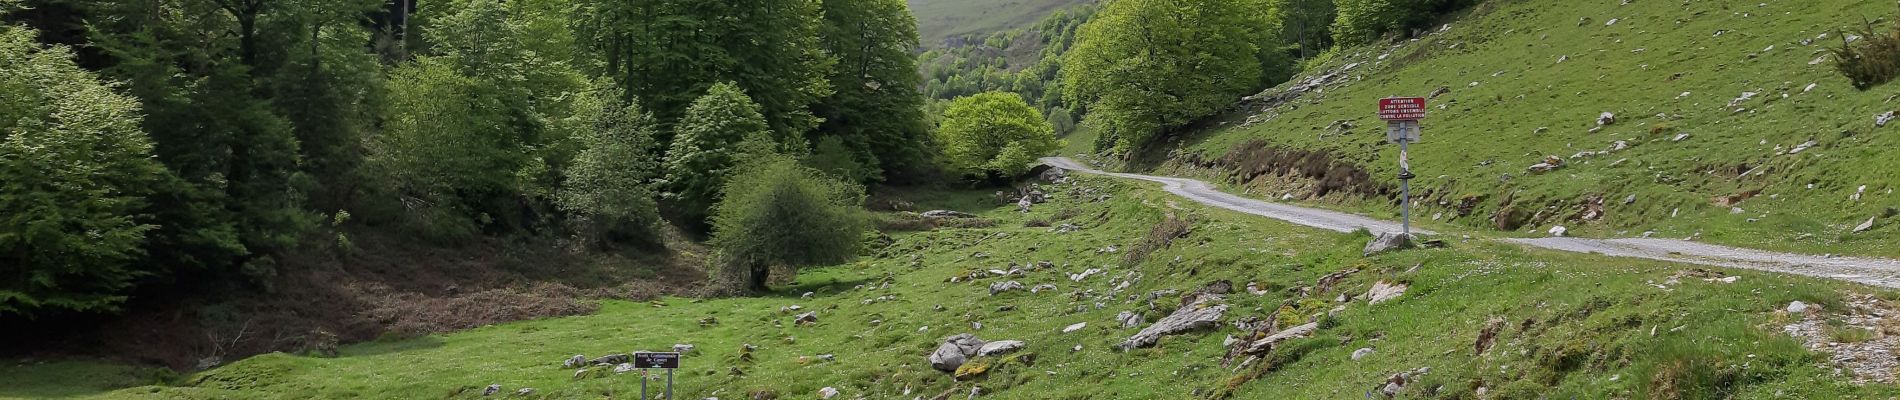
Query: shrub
{"type": "Point", "coordinates": [994, 133]}
{"type": "Point", "coordinates": [1363, 21]}
{"type": "Point", "coordinates": [701, 157]}
{"type": "Point", "coordinates": [779, 213]}
{"type": "Point", "coordinates": [1159, 238]}
{"type": "Point", "coordinates": [1873, 60]}
{"type": "Point", "coordinates": [74, 172]}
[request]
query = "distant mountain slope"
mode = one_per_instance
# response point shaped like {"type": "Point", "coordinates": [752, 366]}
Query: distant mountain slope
{"type": "Point", "coordinates": [1730, 125]}
{"type": "Point", "coordinates": [938, 20]}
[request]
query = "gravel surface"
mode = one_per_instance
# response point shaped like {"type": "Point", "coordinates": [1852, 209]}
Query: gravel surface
{"type": "Point", "coordinates": [1871, 271]}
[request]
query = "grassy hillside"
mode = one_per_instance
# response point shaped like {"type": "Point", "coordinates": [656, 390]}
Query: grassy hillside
{"type": "Point", "coordinates": [938, 20]}
{"type": "Point", "coordinates": [1638, 330]}
{"type": "Point", "coordinates": [1711, 99]}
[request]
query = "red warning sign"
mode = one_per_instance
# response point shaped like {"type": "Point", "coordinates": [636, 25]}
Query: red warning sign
{"type": "Point", "coordinates": [1402, 108]}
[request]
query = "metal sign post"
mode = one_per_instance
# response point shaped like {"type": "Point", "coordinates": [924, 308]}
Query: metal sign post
{"type": "Point", "coordinates": [1402, 115]}
{"type": "Point", "coordinates": [648, 361]}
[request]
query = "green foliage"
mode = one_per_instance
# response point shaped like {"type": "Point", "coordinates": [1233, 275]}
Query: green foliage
{"type": "Point", "coordinates": [876, 111]}
{"type": "Point", "coordinates": [667, 51]}
{"type": "Point", "coordinates": [777, 213]}
{"type": "Point", "coordinates": [702, 154]}
{"type": "Point", "coordinates": [833, 157]}
{"type": "Point", "coordinates": [610, 182]}
{"type": "Point", "coordinates": [74, 172]}
{"type": "Point", "coordinates": [1305, 23]}
{"type": "Point", "coordinates": [1874, 60]}
{"type": "Point", "coordinates": [1363, 21]}
{"type": "Point", "coordinates": [1145, 66]}
{"type": "Point", "coordinates": [995, 133]}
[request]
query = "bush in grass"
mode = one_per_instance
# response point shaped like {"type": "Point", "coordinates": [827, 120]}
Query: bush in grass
{"type": "Point", "coordinates": [776, 212]}
{"type": "Point", "coordinates": [1871, 61]}
{"type": "Point", "coordinates": [994, 133]}
{"type": "Point", "coordinates": [610, 183]}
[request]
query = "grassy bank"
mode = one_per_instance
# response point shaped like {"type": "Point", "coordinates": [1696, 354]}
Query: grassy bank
{"type": "Point", "coordinates": [1582, 326]}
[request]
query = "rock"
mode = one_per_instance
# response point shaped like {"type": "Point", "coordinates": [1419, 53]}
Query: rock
{"type": "Point", "coordinates": [999, 347]}
{"type": "Point", "coordinates": [492, 389]}
{"type": "Point", "coordinates": [576, 361]}
{"type": "Point", "coordinates": [806, 318]}
{"type": "Point", "coordinates": [1066, 228]}
{"type": "Point", "coordinates": [807, 295]}
{"type": "Point", "coordinates": [1739, 100]}
{"type": "Point", "coordinates": [1000, 287]}
{"type": "Point", "coordinates": [1054, 175]}
{"type": "Point", "coordinates": [1202, 314]}
{"type": "Point", "coordinates": [954, 352]}
{"type": "Point", "coordinates": [1042, 288]}
{"type": "Point", "coordinates": [1488, 335]}
{"type": "Point", "coordinates": [1866, 226]}
{"type": "Point", "coordinates": [1629, 200]}
{"type": "Point", "coordinates": [1680, 137]}
{"type": "Point", "coordinates": [1383, 291]}
{"type": "Point", "coordinates": [1361, 353]}
{"type": "Point", "coordinates": [1558, 231]}
{"type": "Point", "coordinates": [828, 357]}
{"type": "Point", "coordinates": [1075, 327]}
{"type": "Point", "coordinates": [525, 392]}
{"type": "Point", "coordinates": [1084, 275]}
{"type": "Point", "coordinates": [623, 368]}
{"type": "Point", "coordinates": [1881, 120]}
{"type": "Point", "coordinates": [611, 359]}
{"type": "Point", "coordinates": [1387, 242]}
{"type": "Point", "coordinates": [1797, 307]}
{"type": "Point", "coordinates": [1606, 119]}
{"type": "Point", "coordinates": [1804, 146]}
{"type": "Point", "coordinates": [827, 392]}
{"type": "Point", "coordinates": [1266, 344]}
{"type": "Point", "coordinates": [947, 214]}
{"type": "Point", "coordinates": [683, 348]}
{"type": "Point", "coordinates": [1128, 319]}
{"type": "Point", "coordinates": [976, 326]}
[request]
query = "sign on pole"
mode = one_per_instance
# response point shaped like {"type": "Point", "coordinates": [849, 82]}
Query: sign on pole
{"type": "Point", "coordinates": [1401, 115]}
{"type": "Point", "coordinates": [667, 361]}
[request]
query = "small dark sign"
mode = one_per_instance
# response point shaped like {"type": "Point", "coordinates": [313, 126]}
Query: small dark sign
{"type": "Point", "coordinates": [656, 360]}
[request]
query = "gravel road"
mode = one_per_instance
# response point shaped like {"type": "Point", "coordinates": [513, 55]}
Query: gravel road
{"type": "Point", "coordinates": [1871, 271]}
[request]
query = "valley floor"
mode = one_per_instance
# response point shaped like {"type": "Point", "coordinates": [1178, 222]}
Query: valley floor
{"type": "Point", "coordinates": [1479, 319]}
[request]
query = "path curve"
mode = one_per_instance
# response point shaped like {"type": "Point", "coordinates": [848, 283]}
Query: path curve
{"type": "Point", "coordinates": [1871, 271]}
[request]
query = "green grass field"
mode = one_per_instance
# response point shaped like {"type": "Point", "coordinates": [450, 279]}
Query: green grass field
{"type": "Point", "coordinates": [1579, 326]}
{"type": "Point", "coordinates": [941, 19]}
{"type": "Point", "coordinates": [1528, 79]}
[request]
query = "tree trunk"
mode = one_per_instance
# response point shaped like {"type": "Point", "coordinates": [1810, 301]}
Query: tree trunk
{"type": "Point", "coordinates": [760, 274]}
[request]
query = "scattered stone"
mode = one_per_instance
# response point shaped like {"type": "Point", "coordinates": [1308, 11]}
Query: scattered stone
{"type": "Point", "coordinates": [1387, 242]}
{"type": "Point", "coordinates": [947, 214]}
{"type": "Point", "coordinates": [1128, 319]}
{"type": "Point", "coordinates": [1680, 137]}
{"type": "Point", "coordinates": [576, 361]}
{"type": "Point", "coordinates": [1797, 307]}
{"type": "Point", "coordinates": [623, 368]}
{"type": "Point", "coordinates": [1866, 226]}
{"type": "Point", "coordinates": [999, 347]}
{"type": "Point", "coordinates": [1606, 119]}
{"type": "Point", "coordinates": [806, 318]}
{"type": "Point", "coordinates": [612, 359]}
{"type": "Point", "coordinates": [807, 295]}
{"type": "Point", "coordinates": [1042, 288]}
{"type": "Point", "coordinates": [1810, 87]}
{"type": "Point", "coordinates": [1804, 146]}
{"type": "Point", "coordinates": [1202, 314]}
{"type": "Point", "coordinates": [1084, 275]}
{"type": "Point", "coordinates": [1361, 353]}
{"type": "Point", "coordinates": [492, 389]}
{"type": "Point", "coordinates": [1558, 231]}
{"type": "Point", "coordinates": [828, 357]}
{"type": "Point", "coordinates": [525, 392]}
{"type": "Point", "coordinates": [1384, 291]}
{"type": "Point", "coordinates": [1266, 344]}
{"type": "Point", "coordinates": [954, 352]}
{"type": "Point", "coordinates": [1000, 287]}
{"type": "Point", "coordinates": [1629, 200]}
{"type": "Point", "coordinates": [1743, 98]}
{"type": "Point", "coordinates": [827, 392]}
{"type": "Point", "coordinates": [1075, 327]}
{"type": "Point", "coordinates": [1880, 121]}
{"type": "Point", "coordinates": [683, 348]}
{"type": "Point", "coordinates": [1054, 175]}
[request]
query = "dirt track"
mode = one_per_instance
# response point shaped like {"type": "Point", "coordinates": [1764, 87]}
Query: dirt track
{"type": "Point", "coordinates": [1871, 271]}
